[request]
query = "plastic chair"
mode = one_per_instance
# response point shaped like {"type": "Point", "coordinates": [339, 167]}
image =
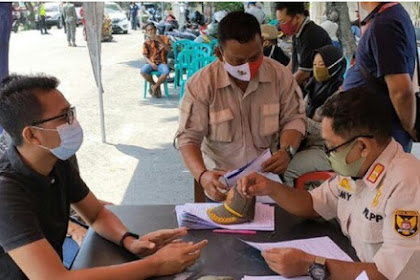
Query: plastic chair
{"type": "Point", "coordinates": [177, 47]}
{"type": "Point", "coordinates": [202, 62]}
{"type": "Point", "coordinates": [188, 62]}
{"type": "Point", "coordinates": [214, 43]}
{"type": "Point", "coordinates": [311, 177]}
{"type": "Point", "coordinates": [165, 85]}
{"type": "Point", "coordinates": [200, 47]}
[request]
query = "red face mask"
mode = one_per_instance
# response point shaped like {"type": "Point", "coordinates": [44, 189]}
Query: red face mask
{"type": "Point", "coordinates": [289, 28]}
{"type": "Point", "coordinates": [255, 66]}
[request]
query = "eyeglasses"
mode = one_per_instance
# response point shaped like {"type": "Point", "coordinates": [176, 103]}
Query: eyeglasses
{"type": "Point", "coordinates": [329, 151]}
{"type": "Point", "coordinates": [69, 115]}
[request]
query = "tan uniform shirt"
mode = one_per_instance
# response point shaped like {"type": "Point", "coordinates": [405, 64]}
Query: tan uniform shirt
{"type": "Point", "coordinates": [379, 213]}
{"type": "Point", "coordinates": [233, 127]}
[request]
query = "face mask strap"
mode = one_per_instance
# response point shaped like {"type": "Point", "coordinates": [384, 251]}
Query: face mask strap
{"type": "Point", "coordinates": [44, 129]}
{"type": "Point", "coordinates": [335, 63]}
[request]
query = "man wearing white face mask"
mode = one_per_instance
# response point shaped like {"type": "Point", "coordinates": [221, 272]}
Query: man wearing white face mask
{"type": "Point", "coordinates": [39, 184]}
{"type": "Point", "coordinates": [375, 195]}
{"type": "Point", "coordinates": [238, 107]}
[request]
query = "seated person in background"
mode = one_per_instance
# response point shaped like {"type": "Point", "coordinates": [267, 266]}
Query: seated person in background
{"type": "Point", "coordinates": [307, 37]}
{"type": "Point", "coordinates": [329, 67]}
{"type": "Point", "coordinates": [375, 195]}
{"type": "Point", "coordinates": [155, 48]}
{"type": "Point", "coordinates": [39, 183]}
{"type": "Point", "coordinates": [269, 33]}
{"type": "Point", "coordinates": [330, 25]}
{"type": "Point", "coordinates": [255, 9]}
{"type": "Point", "coordinates": [210, 34]}
{"type": "Point", "coordinates": [237, 107]}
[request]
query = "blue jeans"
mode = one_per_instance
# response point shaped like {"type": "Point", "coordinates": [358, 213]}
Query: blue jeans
{"type": "Point", "coordinates": [163, 69]}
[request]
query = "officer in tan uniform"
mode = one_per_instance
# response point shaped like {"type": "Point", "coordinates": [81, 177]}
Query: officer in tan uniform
{"type": "Point", "coordinates": [237, 107]}
{"type": "Point", "coordinates": [375, 195]}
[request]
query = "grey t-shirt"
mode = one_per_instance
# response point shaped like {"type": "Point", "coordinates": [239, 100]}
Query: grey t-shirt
{"type": "Point", "coordinates": [33, 206]}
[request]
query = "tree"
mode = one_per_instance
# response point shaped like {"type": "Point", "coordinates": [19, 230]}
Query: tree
{"type": "Point", "coordinates": [345, 34]}
{"type": "Point", "coordinates": [31, 14]}
{"type": "Point", "coordinates": [230, 6]}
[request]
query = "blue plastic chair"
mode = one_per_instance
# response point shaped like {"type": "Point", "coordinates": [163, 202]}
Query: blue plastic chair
{"type": "Point", "coordinates": [177, 47]}
{"type": "Point", "coordinates": [147, 84]}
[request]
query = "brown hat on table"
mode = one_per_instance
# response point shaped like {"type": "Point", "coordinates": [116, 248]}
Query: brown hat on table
{"type": "Point", "coordinates": [236, 209]}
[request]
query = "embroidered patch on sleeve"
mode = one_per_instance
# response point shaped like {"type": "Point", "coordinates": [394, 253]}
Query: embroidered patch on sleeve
{"type": "Point", "coordinates": [344, 183]}
{"type": "Point", "coordinates": [375, 173]}
{"type": "Point", "coordinates": [406, 223]}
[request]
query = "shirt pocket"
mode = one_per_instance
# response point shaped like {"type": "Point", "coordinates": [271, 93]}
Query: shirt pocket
{"type": "Point", "coordinates": [220, 125]}
{"type": "Point", "coordinates": [371, 232]}
{"type": "Point", "coordinates": [269, 120]}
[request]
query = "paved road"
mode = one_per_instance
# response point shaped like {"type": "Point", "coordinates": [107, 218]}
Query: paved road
{"type": "Point", "coordinates": [138, 164]}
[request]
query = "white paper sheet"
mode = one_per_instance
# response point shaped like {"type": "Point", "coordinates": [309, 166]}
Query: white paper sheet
{"type": "Point", "coordinates": [275, 277]}
{"type": "Point", "coordinates": [363, 276]}
{"type": "Point", "coordinates": [254, 166]}
{"type": "Point", "coordinates": [319, 246]}
{"type": "Point", "coordinates": [194, 216]}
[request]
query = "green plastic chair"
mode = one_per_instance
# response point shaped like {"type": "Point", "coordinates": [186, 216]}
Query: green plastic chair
{"type": "Point", "coordinates": [200, 47]}
{"type": "Point", "coordinates": [214, 43]}
{"type": "Point", "coordinates": [177, 47]}
{"type": "Point", "coordinates": [189, 62]}
{"type": "Point", "coordinates": [147, 85]}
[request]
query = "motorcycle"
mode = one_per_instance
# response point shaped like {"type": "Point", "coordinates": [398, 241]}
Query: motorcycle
{"type": "Point", "coordinates": [16, 20]}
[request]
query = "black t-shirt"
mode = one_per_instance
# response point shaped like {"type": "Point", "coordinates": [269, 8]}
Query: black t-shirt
{"type": "Point", "coordinates": [33, 206]}
{"type": "Point", "coordinates": [311, 37]}
{"type": "Point", "coordinates": [277, 54]}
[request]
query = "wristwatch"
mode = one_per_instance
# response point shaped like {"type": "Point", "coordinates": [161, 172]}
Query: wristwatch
{"type": "Point", "coordinates": [318, 270]}
{"type": "Point", "coordinates": [289, 150]}
{"type": "Point", "coordinates": [127, 234]}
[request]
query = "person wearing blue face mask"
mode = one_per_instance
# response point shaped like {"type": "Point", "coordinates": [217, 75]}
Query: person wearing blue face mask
{"type": "Point", "coordinates": [39, 183]}
{"type": "Point", "coordinates": [375, 195]}
{"type": "Point", "coordinates": [237, 107]}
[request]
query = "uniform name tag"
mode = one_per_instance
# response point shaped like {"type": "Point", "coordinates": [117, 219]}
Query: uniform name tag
{"type": "Point", "coordinates": [372, 216]}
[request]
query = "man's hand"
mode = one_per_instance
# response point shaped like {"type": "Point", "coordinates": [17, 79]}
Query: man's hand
{"type": "Point", "coordinates": [255, 184]}
{"type": "Point", "coordinates": [151, 242]}
{"type": "Point", "coordinates": [288, 262]}
{"type": "Point", "coordinates": [154, 66]}
{"type": "Point", "coordinates": [211, 184]}
{"type": "Point", "coordinates": [277, 163]}
{"type": "Point", "coordinates": [176, 257]}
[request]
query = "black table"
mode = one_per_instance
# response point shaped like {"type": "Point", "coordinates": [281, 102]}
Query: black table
{"type": "Point", "coordinates": [224, 255]}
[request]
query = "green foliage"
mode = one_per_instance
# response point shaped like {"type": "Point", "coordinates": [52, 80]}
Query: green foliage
{"type": "Point", "coordinates": [231, 6]}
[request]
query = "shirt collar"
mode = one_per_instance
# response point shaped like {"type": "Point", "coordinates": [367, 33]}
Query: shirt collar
{"type": "Point", "coordinates": [305, 22]}
{"type": "Point", "coordinates": [20, 166]}
{"type": "Point", "coordinates": [378, 169]}
{"type": "Point", "coordinates": [223, 79]}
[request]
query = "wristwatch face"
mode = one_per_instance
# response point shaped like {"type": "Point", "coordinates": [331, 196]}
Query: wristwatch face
{"type": "Point", "coordinates": [292, 150]}
{"type": "Point", "coordinates": [318, 272]}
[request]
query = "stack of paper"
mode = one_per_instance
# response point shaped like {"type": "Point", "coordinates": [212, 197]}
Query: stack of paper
{"type": "Point", "coordinates": [194, 216]}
